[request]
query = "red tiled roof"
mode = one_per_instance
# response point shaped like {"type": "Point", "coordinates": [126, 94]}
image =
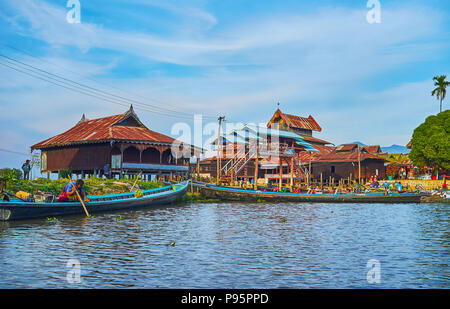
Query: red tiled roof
{"type": "Point", "coordinates": [104, 129]}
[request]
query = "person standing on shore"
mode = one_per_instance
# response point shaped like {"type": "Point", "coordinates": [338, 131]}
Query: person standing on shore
{"type": "Point", "coordinates": [106, 171]}
{"type": "Point", "coordinates": [26, 167]}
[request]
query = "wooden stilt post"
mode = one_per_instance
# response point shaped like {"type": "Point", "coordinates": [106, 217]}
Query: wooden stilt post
{"type": "Point", "coordinates": [292, 167]}
{"type": "Point", "coordinates": [256, 173]}
{"type": "Point", "coordinates": [280, 174]}
{"type": "Point", "coordinates": [309, 168]}
{"type": "Point", "coordinates": [198, 169]}
{"type": "Point", "coordinates": [359, 165]}
{"type": "Point", "coordinates": [292, 173]}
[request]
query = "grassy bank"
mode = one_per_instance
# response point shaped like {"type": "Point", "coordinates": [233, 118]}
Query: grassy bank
{"type": "Point", "coordinates": [93, 186]}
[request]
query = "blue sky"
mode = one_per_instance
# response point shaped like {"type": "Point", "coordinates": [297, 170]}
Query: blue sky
{"type": "Point", "coordinates": [361, 81]}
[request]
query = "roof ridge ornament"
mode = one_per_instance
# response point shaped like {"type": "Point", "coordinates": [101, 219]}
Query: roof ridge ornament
{"type": "Point", "coordinates": [83, 119]}
{"type": "Point", "coordinates": [131, 111]}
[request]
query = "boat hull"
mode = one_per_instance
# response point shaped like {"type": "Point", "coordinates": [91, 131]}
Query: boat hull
{"type": "Point", "coordinates": [232, 194]}
{"type": "Point", "coordinates": [21, 210]}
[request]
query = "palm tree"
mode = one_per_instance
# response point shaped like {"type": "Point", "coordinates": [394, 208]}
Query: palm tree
{"type": "Point", "coordinates": [440, 91]}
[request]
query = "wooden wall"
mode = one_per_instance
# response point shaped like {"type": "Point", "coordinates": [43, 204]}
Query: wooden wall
{"type": "Point", "coordinates": [344, 169]}
{"type": "Point", "coordinates": [210, 167]}
{"type": "Point", "coordinates": [92, 157]}
{"type": "Point", "coordinates": [83, 157]}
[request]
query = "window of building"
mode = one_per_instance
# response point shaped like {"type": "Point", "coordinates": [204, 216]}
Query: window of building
{"type": "Point", "coordinates": [43, 161]}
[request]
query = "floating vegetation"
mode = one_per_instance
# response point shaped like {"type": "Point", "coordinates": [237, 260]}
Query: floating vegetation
{"type": "Point", "coordinates": [120, 218]}
{"type": "Point", "coordinates": [91, 216]}
{"type": "Point", "coordinates": [138, 194]}
{"type": "Point", "coordinates": [52, 219]}
{"type": "Point", "coordinates": [197, 198]}
{"type": "Point", "coordinates": [283, 220]}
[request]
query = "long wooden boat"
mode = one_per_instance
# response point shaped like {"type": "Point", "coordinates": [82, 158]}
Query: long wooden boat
{"type": "Point", "coordinates": [234, 194]}
{"type": "Point", "coordinates": [20, 210]}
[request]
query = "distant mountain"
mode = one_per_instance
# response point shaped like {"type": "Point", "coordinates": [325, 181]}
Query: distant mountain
{"type": "Point", "coordinates": [389, 149]}
{"type": "Point", "coordinates": [395, 149]}
{"type": "Point", "coordinates": [359, 143]}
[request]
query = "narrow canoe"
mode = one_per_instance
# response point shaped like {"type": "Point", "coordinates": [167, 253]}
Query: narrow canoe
{"type": "Point", "coordinates": [234, 194]}
{"type": "Point", "coordinates": [19, 210]}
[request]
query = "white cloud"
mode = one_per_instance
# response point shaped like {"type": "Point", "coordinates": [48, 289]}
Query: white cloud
{"type": "Point", "coordinates": [310, 62]}
{"type": "Point", "coordinates": [331, 35]}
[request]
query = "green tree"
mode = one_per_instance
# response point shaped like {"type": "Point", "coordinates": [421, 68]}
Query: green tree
{"type": "Point", "coordinates": [431, 141]}
{"type": "Point", "coordinates": [440, 90]}
{"type": "Point", "coordinates": [10, 173]}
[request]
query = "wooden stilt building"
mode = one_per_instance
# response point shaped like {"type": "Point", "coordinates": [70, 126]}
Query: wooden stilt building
{"type": "Point", "coordinates": [121, 141]}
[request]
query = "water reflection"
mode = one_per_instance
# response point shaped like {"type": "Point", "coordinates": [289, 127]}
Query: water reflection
{"type": "Point", "coordinates": [233, 245]}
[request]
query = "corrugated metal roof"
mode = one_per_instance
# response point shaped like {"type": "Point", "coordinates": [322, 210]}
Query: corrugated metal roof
{"type": "Point", "coordinates": [315, 140]}
{"type": "Point", "coordinates": [305, 156]}
{"type": "Point", "coordinates": [346, 147]}
{"type": "Point", "coordinates": [251, 132]}
{"type": "Point", "coordinates": [104, 129]}
{"type": "Point", "coordinates": [302, 122]}
{"type": "Point", "coordinates": [272, 132]}
{"type": "Point", "coordinates": [294, 121]}
{"type": "Point", "coordinates": [310, 148]}
{"type": "Point", "coordinates": [372, 148]}
{"type": "Point", "coordinates": [339, 156]}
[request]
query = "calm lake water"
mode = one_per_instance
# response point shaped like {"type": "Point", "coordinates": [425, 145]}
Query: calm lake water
{"type": "Point", "coordinates": [231, 245]}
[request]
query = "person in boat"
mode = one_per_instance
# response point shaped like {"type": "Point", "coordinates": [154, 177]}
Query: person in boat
{"type": "Point", "coordinates": [69, 194]}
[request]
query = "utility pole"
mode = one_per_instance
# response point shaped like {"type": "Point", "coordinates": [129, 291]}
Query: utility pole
{"type": "Point", "coordinates": [256, 167]}
{"type": "Point", "coordinates": [219, 144]}
{"type": "Point", "coordinates": [359, 165]}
